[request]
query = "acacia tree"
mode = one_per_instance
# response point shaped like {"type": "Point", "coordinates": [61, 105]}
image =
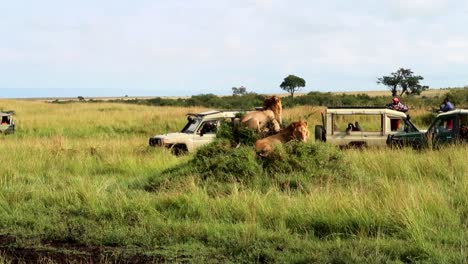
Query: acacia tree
{"type": "Point", "coordinates": [239, 91]}
{"type": "Point", "coordinates": [403, 81]}
{"type": "Point", "coordinates": [292, 83]}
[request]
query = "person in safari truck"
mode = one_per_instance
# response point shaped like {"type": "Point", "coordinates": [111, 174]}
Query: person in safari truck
{"type": "Point", "coordinates": [396, 105]}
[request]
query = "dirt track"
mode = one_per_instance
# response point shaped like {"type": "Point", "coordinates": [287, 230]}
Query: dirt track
{"type": "Point", "coordinates": [59, 252]}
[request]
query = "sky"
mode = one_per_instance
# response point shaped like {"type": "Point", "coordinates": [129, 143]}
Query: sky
{"type": "Point", "coordinates": [57, 48]}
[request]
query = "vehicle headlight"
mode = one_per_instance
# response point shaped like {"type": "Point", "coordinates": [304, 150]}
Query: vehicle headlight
{"type": "Point", "coordinates": [155, 142]}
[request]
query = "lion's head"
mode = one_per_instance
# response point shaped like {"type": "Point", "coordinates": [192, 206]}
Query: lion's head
{"type": "Point", "coordinates": [274, 104]}
{"type": "Point", "coordinates": [300, 131]}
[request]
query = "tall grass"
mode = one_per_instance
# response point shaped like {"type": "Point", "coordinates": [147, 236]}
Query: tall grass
{"type": "Point", "coordinates": [81, 182]}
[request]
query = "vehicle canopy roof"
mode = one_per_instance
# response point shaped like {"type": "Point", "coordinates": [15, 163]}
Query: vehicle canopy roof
{"type": "Point", "coordinates": [6, 113]}
{"type": "Point", "coordinates": [365, 111]}
{"type": "Point", "coordinates": [454, 112]}
{"type": "Point", "coordinates": [215, 113]}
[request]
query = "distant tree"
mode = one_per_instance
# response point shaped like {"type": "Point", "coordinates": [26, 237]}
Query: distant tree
{"type": "Point", "coordinates": [404, 82]}
{"type": "Point", "coordinates": [292, 84]}
{"type": "Point", "coordinates": [80, 98]}
{"type": "Point", "coordinates": [239, 91]}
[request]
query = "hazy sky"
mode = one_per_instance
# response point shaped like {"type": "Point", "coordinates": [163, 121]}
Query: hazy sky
{"type": "Point", "coordinates": [182, 47]}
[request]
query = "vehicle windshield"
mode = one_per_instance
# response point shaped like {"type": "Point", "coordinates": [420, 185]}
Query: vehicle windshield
{"type": "Point", "coordinates": [5, 120]}
{"type": "Point", "coordinates": [192, 124]}
{"type": "Point", "coordinates": [409, 127]}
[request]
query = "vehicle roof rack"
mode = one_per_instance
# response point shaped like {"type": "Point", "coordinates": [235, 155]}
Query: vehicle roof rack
{"type": "Point", "coordinates": [357, 107]}
{"type": "Point", "coordinates": [211, 112]}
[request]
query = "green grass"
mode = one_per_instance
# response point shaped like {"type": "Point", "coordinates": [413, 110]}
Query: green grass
{"type": "Point", "coordinates": [320, 204]}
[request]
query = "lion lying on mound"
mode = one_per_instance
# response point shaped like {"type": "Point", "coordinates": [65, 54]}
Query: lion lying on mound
{"type": "Point", "coordinates": [297, 130]}
{"type": "Point", "coordinates": [259, 120]}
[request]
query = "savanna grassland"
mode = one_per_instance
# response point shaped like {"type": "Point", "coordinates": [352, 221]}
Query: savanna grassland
{"type": "Point", "coordinates": [78, 183]}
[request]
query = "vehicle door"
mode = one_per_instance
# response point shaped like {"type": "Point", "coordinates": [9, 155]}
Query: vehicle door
{"type": "Point", "coordinates": [205, 133]}
{"type": "Point", "coordinates": [444, 130]}
{"type": "Point", "coordinates": [374, 126]}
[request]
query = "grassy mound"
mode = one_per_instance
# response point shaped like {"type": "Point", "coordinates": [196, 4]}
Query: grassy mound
{"type": "Point", "coordinates": [292, 166]}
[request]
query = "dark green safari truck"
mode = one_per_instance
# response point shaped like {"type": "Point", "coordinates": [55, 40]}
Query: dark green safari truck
{"type": "Point", "coordinates": [448, 128]}
{"type": "Point", "coordinates": [7, 125]}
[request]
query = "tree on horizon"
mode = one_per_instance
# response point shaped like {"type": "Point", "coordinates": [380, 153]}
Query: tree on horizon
{"type": "Point", "coordinates": [403, 81]}
{"type": "Point", "coordinates": [292, 84]}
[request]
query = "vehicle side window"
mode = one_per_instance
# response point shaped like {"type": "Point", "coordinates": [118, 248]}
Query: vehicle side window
{"type": "Point", "coordinates": [5, 120]}
{"type": "Point", "coordinates": [209, 127]}
{"type": "Point", "coordinates": [356, 123]}
{"type": "Point", "coordinates": [395, 124]}
{"type": "Point", "coordinates": [445, 124]}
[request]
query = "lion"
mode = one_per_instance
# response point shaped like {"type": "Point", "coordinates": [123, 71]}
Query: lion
{"type": "Point", "coordinates": [297, 130]}
{"type": "Point", "coordinates": [259, 120]}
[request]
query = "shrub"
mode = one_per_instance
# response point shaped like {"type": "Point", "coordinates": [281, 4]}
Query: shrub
{"type": "Point", "coordinates": [459, 97]}
{"type": "Point", "coordinates": [307, 158]}
{"type": "Point", "coordinates": [223, 162]}
{"type": "Point", "coordinates": [237, 134]}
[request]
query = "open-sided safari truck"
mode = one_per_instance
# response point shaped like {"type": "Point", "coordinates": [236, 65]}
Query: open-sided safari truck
{"type": "Point", "coordinates": [447, 128]}
{"type": "Point", "coordinates": [361, 126]}
{"type": "Point", "coordinates": [7, 125]}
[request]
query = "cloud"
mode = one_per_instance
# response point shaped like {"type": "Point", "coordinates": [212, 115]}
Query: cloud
{"type": "Point", "coordinates": [424, 9]}
{"type": "Point", "coordinates": [254, 43]}
{"type": "Point", "coordinates": [456, 50]}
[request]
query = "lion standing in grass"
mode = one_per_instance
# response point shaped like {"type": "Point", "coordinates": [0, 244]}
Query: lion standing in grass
{"type": "Point", "coordinates": [259, 120]}
{"type": "Point", "coordinates": [297, 130]}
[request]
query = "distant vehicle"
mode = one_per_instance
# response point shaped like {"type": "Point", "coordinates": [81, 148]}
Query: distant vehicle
{"type": "Point", "coordinates": [7, 125]}
{"type": "Point", "coordinates": [200, 129]}
{"type": "Point", "coordinates": [448, 128]}
{"type": "Point", "coordinates": [361, 126]}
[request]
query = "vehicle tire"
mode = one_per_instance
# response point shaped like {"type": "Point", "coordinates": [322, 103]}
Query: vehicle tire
{"type": "Point", "coordinates": [417, 146]}
{"type": "Point", "coordinates": [319, 133]}
{"type": "Point", "coordinates": [389, 140]}
{"type": "Point", "coordinates": [179, 150]}
{"type": "Point", "coordinates": [357, 145]}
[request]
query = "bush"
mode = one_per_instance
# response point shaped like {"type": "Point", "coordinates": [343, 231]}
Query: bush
{"type": "Point", "coordinates": [307, 158]}
{"type": "Point", "coordinates": [237, 134]}
{"type": "Point", "coordinates": [459, 97]}
{"type": "Point", "coordinates": [225, 163]}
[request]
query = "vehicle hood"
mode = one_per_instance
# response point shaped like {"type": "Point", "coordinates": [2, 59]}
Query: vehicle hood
{"type": "Point", "coordinates": [409, 134]}
{"type": "Point", "coordinates": [172, 135]}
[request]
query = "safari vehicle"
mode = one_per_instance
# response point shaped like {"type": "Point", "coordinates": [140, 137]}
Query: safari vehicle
{"type": "Point", "coordinates": [361, 126]}
{"type": "Point", "coordinates": [200, 129]}
{"type": "Point", "coordinates": [448, 128]}
{"type": "Point", "coordinates": [7, 125]}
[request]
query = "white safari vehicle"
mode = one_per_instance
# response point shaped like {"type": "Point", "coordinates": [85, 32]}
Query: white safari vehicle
{"type": "Point", "coordinates": [7, 125]}
{"type": "Point", "coordinates": [200, 129]}
{"type": "Point", "coordinates": [361, 126]}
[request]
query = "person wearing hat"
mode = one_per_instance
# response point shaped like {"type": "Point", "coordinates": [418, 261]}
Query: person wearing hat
{"type": "Point", "coordinates": [397, 105]}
